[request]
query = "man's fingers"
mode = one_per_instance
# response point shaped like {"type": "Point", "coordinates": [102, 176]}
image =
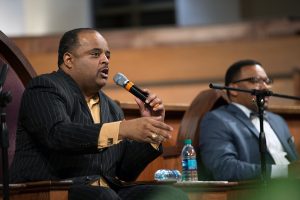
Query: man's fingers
{"type": "Point", "coordinates": [161, 125]}
{"type": "Point", "coordinates": [162, 130]}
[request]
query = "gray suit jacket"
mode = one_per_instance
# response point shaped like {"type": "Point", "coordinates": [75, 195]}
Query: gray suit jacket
{"type": "Point", "coordinates": [229, 145]}
{"type": "Point", "coordinates": [57, 138]}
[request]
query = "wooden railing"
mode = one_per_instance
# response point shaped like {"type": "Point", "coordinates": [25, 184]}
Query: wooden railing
{"type": "Point", "coordinates": [40, 190]}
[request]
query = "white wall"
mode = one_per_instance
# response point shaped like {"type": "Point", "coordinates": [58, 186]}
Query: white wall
{"type": "Point", "coordinates": [11, 17]}
{"type": "Point", "coordinates": [37, 17]}
{"type": "Point", "coordinates": [51, 16]}
{"type": "Point", "coordinates": [204, 12]}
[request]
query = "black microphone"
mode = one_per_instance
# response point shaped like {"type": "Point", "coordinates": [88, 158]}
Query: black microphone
{"type": "Point", "coordinates": [121, 80]}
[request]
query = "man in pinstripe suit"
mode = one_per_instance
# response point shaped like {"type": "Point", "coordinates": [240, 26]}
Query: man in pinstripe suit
{"type": "Point", "coordinates": [69, 129]}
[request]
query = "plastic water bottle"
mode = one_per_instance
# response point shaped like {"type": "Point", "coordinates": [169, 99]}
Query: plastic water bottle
{"type": "Point", "coordinates": [189, 163]}
{"type": "Point", "coordinates": [167, 175]}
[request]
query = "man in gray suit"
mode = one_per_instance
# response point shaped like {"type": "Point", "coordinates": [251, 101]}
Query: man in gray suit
{"type": "Point", "coordinates": [229, 144]}
{"type": "Point", "coordinates": [69, 129]}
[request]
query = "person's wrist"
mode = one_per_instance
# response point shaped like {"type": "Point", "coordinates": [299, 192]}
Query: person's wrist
{"type": "Point", "coordinates": [122, 130]}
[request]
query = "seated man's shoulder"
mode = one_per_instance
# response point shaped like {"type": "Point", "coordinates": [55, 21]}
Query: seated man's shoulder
{"type": "Point", "coordinates": [215, 116]}
{"type": "Point", "coordinates": [43, 78]}
{"type": "Point", "coordinates": [54, 79]}
{"type": "Point", "coordinates": [51, 82]}
{"type": "Point", "coordinates": [274, 116]}
{"type": "Point", "coordinates": [220, 111]}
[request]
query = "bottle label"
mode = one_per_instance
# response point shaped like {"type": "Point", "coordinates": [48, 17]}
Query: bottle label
{"type": "Point", "coordinates": [189, 164]}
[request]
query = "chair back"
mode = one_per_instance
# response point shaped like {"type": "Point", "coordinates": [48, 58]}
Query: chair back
{"type": "Point", "coordinates": [204, 102]}
{"type": "Point", "coordinates": [20, 72]}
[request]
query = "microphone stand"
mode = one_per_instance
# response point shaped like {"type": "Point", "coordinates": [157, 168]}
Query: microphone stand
{"type": "Point", "coordinates": [5, 98]}
{"type": "Point", "coordinates": [260, 101]}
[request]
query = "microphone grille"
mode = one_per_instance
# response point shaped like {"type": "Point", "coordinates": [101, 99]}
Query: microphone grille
{"type": "Point", "coordinates": [120, 79]}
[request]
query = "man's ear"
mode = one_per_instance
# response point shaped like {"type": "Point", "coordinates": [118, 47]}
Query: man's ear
{"type": "Point", "coordinates": [68, 60]}
{"type": "Point", "coordinates": [232, 92]}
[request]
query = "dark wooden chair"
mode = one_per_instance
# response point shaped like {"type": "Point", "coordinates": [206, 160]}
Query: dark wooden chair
{"type": "Point", "coordinates": [20, 72]}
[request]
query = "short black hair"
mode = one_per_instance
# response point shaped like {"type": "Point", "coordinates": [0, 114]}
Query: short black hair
{"type": "Point", "coordinates": [235, 69]}
{"type": "Point", "coordinates": [68, 42]}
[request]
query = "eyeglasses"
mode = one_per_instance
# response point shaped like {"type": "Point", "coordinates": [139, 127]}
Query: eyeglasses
{"type": "Point", "coordinates": [256, 80]}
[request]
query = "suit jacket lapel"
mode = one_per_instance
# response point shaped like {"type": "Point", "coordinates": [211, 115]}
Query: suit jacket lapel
{"type": "Point", "coordinates": [85, 107]}
{"type": "Point", "coordinates": [105, 112]}
{"type": "Point", "coordinates": [279, 132]}
{"type": "Point", "coordinates": [273, 123]}
{"type": "Point", "coordinates": [76, 92]}
{"type": "Point", "coordinates": [243, 118]}
{"type": "Point", "coordinates": [240, 115]}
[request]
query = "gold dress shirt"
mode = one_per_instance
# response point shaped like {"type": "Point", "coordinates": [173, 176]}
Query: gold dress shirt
{"type": "Point", "coordinates": [109, 132]}
{"type": "Point", "coordinates": [108, 135]}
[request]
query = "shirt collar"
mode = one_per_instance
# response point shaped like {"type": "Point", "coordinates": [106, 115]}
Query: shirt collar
{"type": "Point", "coordinates": [94, 100]}
{"type": "Point", "coordinates": [245, 110]}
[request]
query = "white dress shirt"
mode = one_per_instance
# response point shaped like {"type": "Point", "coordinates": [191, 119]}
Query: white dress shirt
{"type": "Point", "coordinates": [274, 146]}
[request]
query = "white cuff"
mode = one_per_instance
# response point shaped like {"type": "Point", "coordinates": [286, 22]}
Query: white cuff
{"type": "Point", "coordinates": [279, 171]}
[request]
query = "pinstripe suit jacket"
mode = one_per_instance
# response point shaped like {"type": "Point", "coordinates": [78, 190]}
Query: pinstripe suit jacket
{"type": "Point", "coordinates": [57, 138]}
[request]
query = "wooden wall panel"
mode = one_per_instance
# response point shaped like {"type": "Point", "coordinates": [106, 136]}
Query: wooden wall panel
{"type": "Point", "coordinates": [190, 61]}
{"type": "Point", "coordinates": [177, 74]}
{"type": "Point", "coordinates": [177, 63]}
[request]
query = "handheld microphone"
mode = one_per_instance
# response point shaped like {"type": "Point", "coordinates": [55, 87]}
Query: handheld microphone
{"type": "Point", "coordinates": [121, 80]}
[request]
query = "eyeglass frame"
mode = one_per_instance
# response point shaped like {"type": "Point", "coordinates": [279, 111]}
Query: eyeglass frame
{"type": "Point", "coordinates": [255, 80]}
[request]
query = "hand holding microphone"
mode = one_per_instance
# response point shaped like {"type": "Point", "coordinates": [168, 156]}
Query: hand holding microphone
{"type": "Point", "coordinates": [150, 127]}
{"type": "Point", "coordinates": [152, 102]}
{"type": "Point", "coordinates": [121, 80]}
